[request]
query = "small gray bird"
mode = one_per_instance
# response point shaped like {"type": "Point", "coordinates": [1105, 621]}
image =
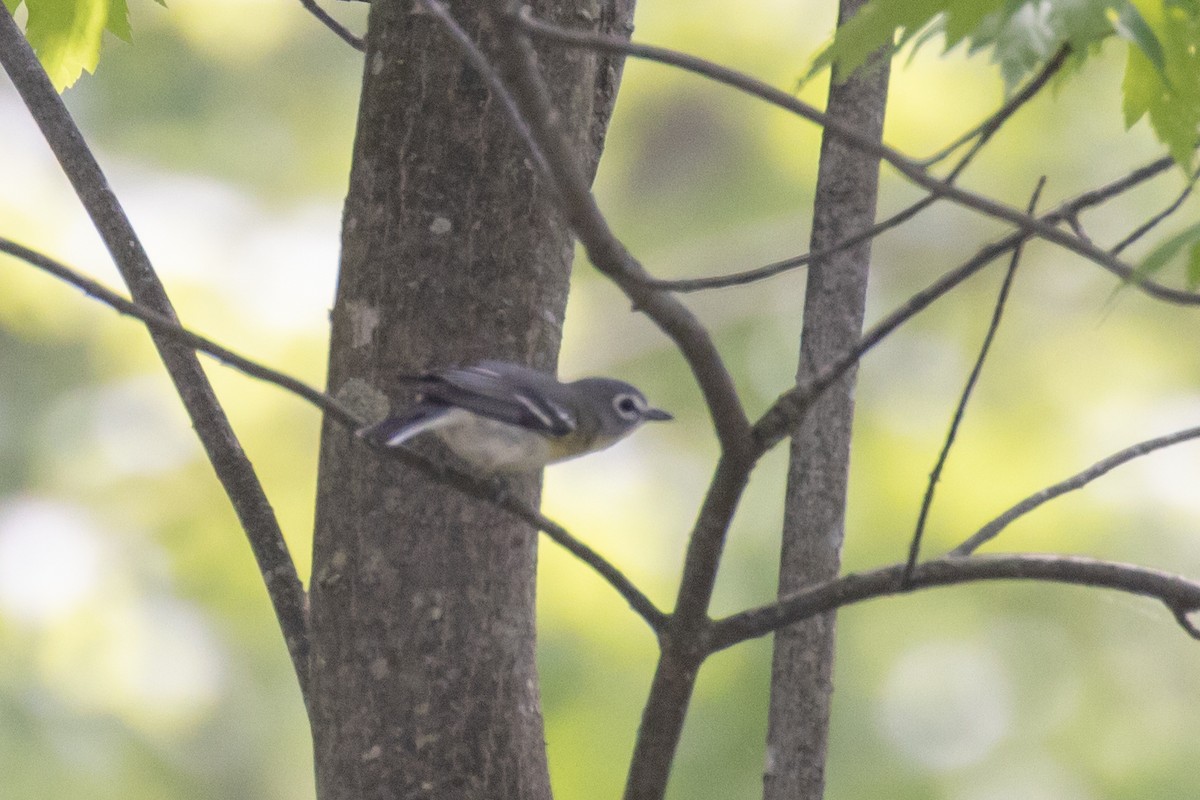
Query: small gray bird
{"type": "Point", "coordinates": [501, 417]}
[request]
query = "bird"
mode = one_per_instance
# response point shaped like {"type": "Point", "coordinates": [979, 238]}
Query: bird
{"type": "Point", "coordinates": [504, 418]}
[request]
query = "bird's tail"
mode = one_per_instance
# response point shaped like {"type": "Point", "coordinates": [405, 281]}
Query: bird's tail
{"type": "Point", "coordinates": [395, 431]}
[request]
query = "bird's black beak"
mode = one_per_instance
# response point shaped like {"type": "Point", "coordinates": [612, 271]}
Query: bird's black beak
{"type": "Point", "coordinates": [656, 415]}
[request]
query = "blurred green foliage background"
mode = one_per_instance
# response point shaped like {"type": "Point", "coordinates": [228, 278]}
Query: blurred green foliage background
{"type": "Point", "coordinates": [138, 654]}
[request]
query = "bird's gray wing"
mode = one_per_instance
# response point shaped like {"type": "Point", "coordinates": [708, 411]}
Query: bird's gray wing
{"type": "Point", "coordinates": [507, 393]}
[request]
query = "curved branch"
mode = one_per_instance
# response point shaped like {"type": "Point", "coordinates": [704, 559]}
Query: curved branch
{"type": "Point", "coordinates": [913, 170]}
{"type": "Point", "coordinates": [1153, 222]}
{"type": "Point", "coordinates": [1182, 616]}
{"type": "Point", "coordinates": [726, 280]}
{"type": "Point", "coordinates": [486, 490]}
{"type": "Point", "coordinates": [1077, 481]}
{"type": "Point", "coordinates": [1179, 594]}
{"type": "Point", "coordinates": [480, 63]}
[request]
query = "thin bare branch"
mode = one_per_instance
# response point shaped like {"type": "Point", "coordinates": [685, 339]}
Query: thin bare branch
{"type": "Point", "coordinates": [984, 131]}
{"type": "Point", "coordinates": [749, 85]}
{"type": "Point", "coordinates": [169, 327]}
{"type": "Point", "coordinates": [338, 28]}
{"type": "Point", "coordinates": [338, 411]}
{"type": "Point", "coordinates": [490, 492]}
{"type": "Point", "coordinates": [518, 64]}
{"type": "Point", "coordinates": [1179, 594]}
{"type": "Point", "coordinates": [681, 646]}
{"type": "Point", "coordinates": [914, 549]}
{"type": "Point", "coordinates": [686, 285]}
{"type": "Point", "coordinates": [1077, 481]}
{"type": "Point", "coordinates": [1154, 221]}
{"type": "Point", "coordinates": [913, 170]}
{"type": "Point", "coordinates": [487, 490]}
{"type": "Point", "coordinates": [610, 256]}
{"type": "Point", "coordinates": [778, 420]}
{"type": "Point", "coordinates": [533, 108]}
{"type": "Point", "coordinates": [221, 445]}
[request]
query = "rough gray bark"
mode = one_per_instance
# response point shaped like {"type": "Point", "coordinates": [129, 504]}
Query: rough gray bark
{"type": "Point", "coordinates": [423, 668]}
{"type": "Point", "coordinates": [814, 511]}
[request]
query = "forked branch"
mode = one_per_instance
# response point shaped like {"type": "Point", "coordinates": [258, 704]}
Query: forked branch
{"type": "Point", "coordinates": [1180, 595]}
{"type": "Point", "coordinates": [778, 420]}
{"type": "Point", "coordinates": [911, 169]}
{"type": "Point", "coordinates": [914, 550]}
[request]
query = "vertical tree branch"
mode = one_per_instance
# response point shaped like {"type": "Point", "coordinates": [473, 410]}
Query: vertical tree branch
{"type": "Point", "coordinates": [683, 642]}
{"type": "Point", "coordinates": [814, 511]}
{"type": "Point", "coordinates": [224, 452]}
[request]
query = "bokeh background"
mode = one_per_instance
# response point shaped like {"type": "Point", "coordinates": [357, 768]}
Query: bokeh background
{"type": "Point", "coordinates": [138, 654]}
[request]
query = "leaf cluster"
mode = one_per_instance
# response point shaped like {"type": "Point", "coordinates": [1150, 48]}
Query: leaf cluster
{"type": "Point", "coordinates": [66, 34]}
{"type": "Point", "coordinates": [1162, 76]}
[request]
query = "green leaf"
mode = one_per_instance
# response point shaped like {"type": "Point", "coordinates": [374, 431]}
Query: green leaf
{"type": "Point", "coordinates": [1193, 268]}
{"type": "Point", "coordinates": [1022, 34]}
{"type": "Point", "coordinates": [1022, 37]}
{"type": "Point", "coordinates": [1027, 34]}
{"type": "Point", "coordinates": [118, 20]}
{"type": "Point", "coordinates": [1169, 96]}
{"type": "Point", "coordinates": [1162, 74]}
{"type": "Point", "coordinates": [874, 26]}
{"type": "Point", "coordinates": [1130, 25]}
{"type": "Point", "coordinates": [67, 34]}
{"type": "Point", "coordinates": [965, 19]}
{"type": "Point", "coordinates": [1162, 255]}
{"type": "Point", "coordinates": [1141, 83]}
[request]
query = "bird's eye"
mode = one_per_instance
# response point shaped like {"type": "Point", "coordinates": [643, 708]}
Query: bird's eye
{"type": "Point", "coordinates": [629, 406]}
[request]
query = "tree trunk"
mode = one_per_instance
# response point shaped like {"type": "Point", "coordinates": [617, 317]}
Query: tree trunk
{"type": "Point", "coordinates": [814, 513]}
{"type": "Point", "coordinates": [423, 674]}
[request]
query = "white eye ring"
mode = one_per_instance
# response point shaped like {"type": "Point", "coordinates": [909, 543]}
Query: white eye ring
{"type": "Point", "coordinates": [629, 406]}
